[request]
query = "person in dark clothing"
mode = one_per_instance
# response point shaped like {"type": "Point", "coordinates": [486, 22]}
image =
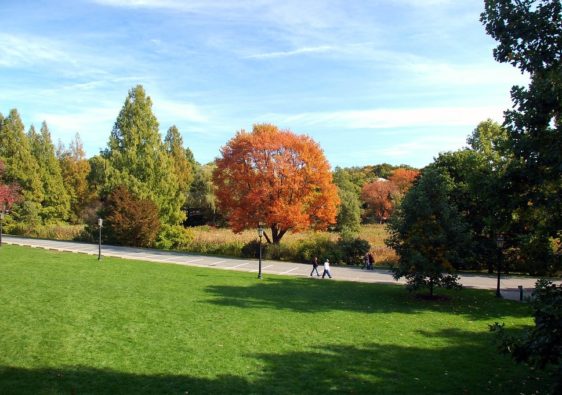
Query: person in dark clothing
{"type": "Point", "coordinates": [315, 267]}
{"type": "Point", "coordinates": [371, 265]}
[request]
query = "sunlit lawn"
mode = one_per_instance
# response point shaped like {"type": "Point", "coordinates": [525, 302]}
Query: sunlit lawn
{"type": "Point", "coordinates": [71, 324]}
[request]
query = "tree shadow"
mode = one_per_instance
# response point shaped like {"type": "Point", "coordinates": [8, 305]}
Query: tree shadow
{"type": "Point", "coordinates": [311, 296]}
{"type": "Point", "coordinates": [467, 363]}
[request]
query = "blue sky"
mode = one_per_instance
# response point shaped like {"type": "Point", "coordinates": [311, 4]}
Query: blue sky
{"type": "Point", "coordinates": [372, 81]}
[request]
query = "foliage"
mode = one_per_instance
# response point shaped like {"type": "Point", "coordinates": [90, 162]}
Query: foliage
{"type": "Point", "coordinates": [349, 210]}
{"type": "Point", "coordinates": [137, 158]}
{"type": "Point", "coordinates": [129, 220]}
{"type": "Point", "coordinates": [9, 193]}
{"type": "Point", "coordinates": [353, 249]}
{"type": "Point", "coordinates": [180, 159]}
{"type": "Point", "coordinates": [21, 167]}
{"type": "Point", "coordinates": [55, 206]}
{"type": "Point", "coordinates": [75, 169]}
{"type": "Point", "coordinates": [276, 178]}
{"type": "Point", "coordinates": [377, 195]}
{"type": "Point", "coordinates": [529, 37]}
{"type": "Point", "coordinates": [540, 345]}
{"type": "Point", "coordinates": [173, 237]}
{"type": "Point", "coordinates": [428, 234]}
{"type": "Point", "coordinates": [403, 178]}
{"type": "Point", "coordinates": [202, 195]}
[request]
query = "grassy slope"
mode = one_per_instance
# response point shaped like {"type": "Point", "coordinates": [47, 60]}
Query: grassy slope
{"type": "Point", "coordinates": [71, 324]}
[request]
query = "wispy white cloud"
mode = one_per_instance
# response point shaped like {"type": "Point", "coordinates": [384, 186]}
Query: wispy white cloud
{"type": "Point", "coordinates": [178, 111]}
{"type": "Point", "coordinates": [393, 117]}
{"type": "Point", "coordinates": [422, 144]}
{"type": "Point", "coordinates": [298, 51]}
{"type": "Point", "coordinates": [27, 50]}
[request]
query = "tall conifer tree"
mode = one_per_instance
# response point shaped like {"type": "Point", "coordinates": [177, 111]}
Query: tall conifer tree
{"type": "Point", "coordinates": [137, 159]}
{"type": "Point", "coordinates": [173, 143]}
{"type": "Point", "coordinates": [56, 201]}
{"type": "Point", "coordinates": [21, 166]}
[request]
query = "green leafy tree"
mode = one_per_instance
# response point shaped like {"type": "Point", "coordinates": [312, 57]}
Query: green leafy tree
{"type": "Point", "coordinates": [428, 234]}
{"type": "Point", "coordinates": [129, 220]}
{"type": "Point", "coordinates": [56, 201]}
{"type": "Point", "coordinates": [529, 37]}
{"type": "Point", "coordinates": [21, 168]}
{"type": "Point", "coordinates": [349, 211]}
{"type": "Point", "coordinates": [136, 157]}
{"type": "Point", "coordinates": [202, 195]}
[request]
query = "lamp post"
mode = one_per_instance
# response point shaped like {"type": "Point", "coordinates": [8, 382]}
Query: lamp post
{"type": "Point", "coordinates": [100, 224]}
{"type": "Point", "coordinates": [499, 241]}
{"type": "Point", "coordinates": [260, 234]}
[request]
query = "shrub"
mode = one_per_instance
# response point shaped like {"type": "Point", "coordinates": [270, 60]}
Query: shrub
{"type": "Point", "coordinates": [173, 237]}
{"type": "Point", "coordinates": [354, 249]}
{"type": "Point", "coordinates": [129, 220]}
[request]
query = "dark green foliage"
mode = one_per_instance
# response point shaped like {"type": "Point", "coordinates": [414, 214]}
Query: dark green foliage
{"type": "Point", "coordinates": [529, 35]}
{"type": "Point", "coordinates": [21, 168]}
{"type": "Point", "coordinates": [428, 234]}
{"type": "Point", "coordinates": [252, 249]}
{"type": "Point", "coordinates": [55, 206]}
{"type": "Point", "coordinates": [129, 220]}
{"type": "Point", "coordinates": [353, 249]}
{"type": "Point", "coordinates": [541, 345]}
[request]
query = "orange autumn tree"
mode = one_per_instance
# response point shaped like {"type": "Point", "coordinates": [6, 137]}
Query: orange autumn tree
{"type": "Point", "coordinates": [276, 178]}
{"type": "Point", "coordinates": [403, 179]}
{"type": "Point", "coordinates": [378, 197]}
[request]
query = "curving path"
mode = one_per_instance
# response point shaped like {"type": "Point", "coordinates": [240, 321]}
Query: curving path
{"type": "Point", "coordinates": [509, 284]}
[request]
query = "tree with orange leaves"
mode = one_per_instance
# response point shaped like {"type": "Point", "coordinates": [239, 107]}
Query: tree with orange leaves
{"type": "Point", "coordinates": [378, 196]}
{"type": "Point", "coordinates": [403, 178]}
{"type": "Point", "coordinates": [275, 178]}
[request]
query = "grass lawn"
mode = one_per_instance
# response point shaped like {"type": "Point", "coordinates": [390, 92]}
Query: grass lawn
{"type": "Point", "coordinates": [71, 324]}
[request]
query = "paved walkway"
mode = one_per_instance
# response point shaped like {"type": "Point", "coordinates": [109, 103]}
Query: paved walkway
{"type": "Point", "coordinates": [509, 284]}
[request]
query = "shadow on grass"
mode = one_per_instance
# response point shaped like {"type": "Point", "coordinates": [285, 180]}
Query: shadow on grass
{"type": "Point", "coordinates": [468, 364]}
{"type": "Point", "coordinates": [312, 296]}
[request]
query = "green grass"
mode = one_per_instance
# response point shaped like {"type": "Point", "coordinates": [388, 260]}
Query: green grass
{"type": "Point", "coordinates": [71, 324]}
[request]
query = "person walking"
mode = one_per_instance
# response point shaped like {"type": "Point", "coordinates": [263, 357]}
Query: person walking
{"type": "Point", "coordinates": [327, 269]}
{"type": "Point", "coordinates": [371, 265]}
{"type": "Point", "coordinates": [365, 262]}
{"type": "Point", "coordinates": [315, 267]}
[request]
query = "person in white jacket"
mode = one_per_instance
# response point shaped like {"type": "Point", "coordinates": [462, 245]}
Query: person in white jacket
{"type": "Point", "coordinates": [327, 269]}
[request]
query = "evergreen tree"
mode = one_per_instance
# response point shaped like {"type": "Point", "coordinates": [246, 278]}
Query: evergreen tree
{"type": "Point", "coordinates": [137, 159]}
{"type": "Point", "coordinates": [21, 167]}
{"type": "Point", "coordinates": [56, 201]}
{"type": "Point", "coordinates": [180, 158]}
{"type": "Point", "coordinates": [75, 169]}
{"type": "Point", "coordinates": [428, 234]}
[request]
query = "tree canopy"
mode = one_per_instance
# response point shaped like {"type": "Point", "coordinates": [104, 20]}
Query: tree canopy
{"type": "Point", "coordinates": [276, 178]}
{"type": "Point", "coordinates": [137, 158]}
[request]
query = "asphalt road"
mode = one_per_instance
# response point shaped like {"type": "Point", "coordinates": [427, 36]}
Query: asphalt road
{"type": "Point", "coordinates": [509, 284]}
